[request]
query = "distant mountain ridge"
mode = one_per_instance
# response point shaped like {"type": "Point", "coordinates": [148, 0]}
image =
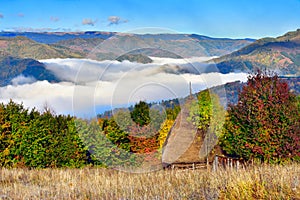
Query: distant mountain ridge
{"type": "Point", "coordinates": [19, 55]}
{"type": "Point", "coordinates": [54, 37]}
{"type": "Point", "coordinates": [281, 54]}
{"type": "Point", "coordinates": [19, 51]}
{"type": "Point", "coordinates": [184, 43]}
{"type": "Point", "coordinates": [22, 47]}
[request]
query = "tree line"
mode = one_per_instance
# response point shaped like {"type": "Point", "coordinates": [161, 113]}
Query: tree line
{"type": "Point", "coordinates": [33, 139]}
{"type": "Point", "coordinates": [264, 125]}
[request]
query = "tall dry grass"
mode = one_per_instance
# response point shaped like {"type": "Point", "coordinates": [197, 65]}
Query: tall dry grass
{"type": "Point", "coordinates": [264, 182]}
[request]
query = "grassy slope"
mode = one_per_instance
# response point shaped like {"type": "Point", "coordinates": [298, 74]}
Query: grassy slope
{"type": "Point", "coordinates": [264, 182]}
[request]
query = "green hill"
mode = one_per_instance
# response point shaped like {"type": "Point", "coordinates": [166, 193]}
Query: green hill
{"type": "Point", "coordinates": [11, 67]}
{"type": "Point", "coordinates": [281, 54]}
{"type": "Point", "coordinates": [23, 47]}
{"type": "Point", "coordinates": [139, 58]}
{"type": "Point", "coordinates": [19, 55]}
{"type": "Point", "coordinates": [82, 45]}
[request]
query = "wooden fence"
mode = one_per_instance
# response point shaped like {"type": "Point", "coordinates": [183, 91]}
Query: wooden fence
{"type": "Point", "coordinates": [219, 162]}
{"type": "Point", "coordinates": [187, 166]}
{"type": "Point", "coordinates": [227, 163]}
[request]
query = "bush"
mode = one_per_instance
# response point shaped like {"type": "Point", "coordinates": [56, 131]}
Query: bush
{"type": "Point", "coordinates": [35, 140]}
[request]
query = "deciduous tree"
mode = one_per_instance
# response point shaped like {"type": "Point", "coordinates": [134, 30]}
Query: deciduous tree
{"type": "Point", "coordinates": [265, 122]}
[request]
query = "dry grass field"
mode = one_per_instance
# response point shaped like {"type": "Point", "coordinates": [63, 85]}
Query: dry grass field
{"type": "Point", "coordinates": [264, 182]}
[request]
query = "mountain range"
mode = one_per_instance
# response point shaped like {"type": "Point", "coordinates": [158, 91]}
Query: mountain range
{"type": "Point", "coordinates": [281, 54]}
{"type": "Point", "coordinates": [74, 44]}
{"type": "Point", "coordinates": [20, 51]}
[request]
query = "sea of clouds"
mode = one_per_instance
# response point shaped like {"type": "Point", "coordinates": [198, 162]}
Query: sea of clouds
{"type": "Point", "coordinates": [89, 87]}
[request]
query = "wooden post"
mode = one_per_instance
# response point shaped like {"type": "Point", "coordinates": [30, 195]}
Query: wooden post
{"type": "Point", "coordinates": [237, 165]}
{"type": "Point", "coordinates": [228, 165]}
{"type": "Point", "coordinates": [215, 163]}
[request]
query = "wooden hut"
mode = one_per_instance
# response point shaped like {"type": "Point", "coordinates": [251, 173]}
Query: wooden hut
{"type": "Point", "coordinates": [185, 145]}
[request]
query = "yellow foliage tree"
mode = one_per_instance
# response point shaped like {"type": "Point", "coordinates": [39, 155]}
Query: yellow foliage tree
{"type": "Point", "coordinates": [164, 130]}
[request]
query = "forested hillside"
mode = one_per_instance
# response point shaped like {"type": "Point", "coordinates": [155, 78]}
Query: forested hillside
{"type": "Point", "coordinates": [281, 54]}
{"type": "Point", "coordinates": [12, 67]}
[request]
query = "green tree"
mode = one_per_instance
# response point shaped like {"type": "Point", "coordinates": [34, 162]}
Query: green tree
{"type": "Point", "coordinates": [207, 114]}
{"type": "Point", "coordinates": [13, 117]}
{"type": "Point", "coordinates": [143, 135]}
{"type": "Point", "coordinates": [115, 134]}
{"type": "Point", "coordinates": [35, 140]}
{"type": "Point", "coordinates": [157, 118]}
{"type": "Point", "coordinates": [141, 113]}
{"type": "Point", "coordinates": [173, 112]}
{"type": "Point", "coordinates": [123, 118]}
{"type": "Point", "coordinates": [264, 124]}
{"type": "Point", "coordinates": [50, 141]}
{"type": "Point", "coordinates": [103, 152]}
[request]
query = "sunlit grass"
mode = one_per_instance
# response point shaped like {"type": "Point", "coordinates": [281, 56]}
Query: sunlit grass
{"type": "Point", "coordinates": [264, 182]}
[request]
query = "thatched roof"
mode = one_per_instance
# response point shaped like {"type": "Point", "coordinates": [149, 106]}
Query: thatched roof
{"type": "Point", "coordinates": [184, 143]}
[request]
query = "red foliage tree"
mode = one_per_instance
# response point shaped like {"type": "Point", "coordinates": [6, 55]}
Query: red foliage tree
{"type": "Point", "coordinates": [143, 139]}
{"type": "Point", "coordinates": [265, 122]}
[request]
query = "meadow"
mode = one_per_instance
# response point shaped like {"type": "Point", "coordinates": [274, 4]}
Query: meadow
{"type": "Point", "coordinates": [258, 182]}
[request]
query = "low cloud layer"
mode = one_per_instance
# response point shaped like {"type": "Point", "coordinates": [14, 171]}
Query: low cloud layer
{"type": "Point", "coordinates": [90, 87]}
{"type": "Point", "coordinates": [38, 94]}
{"type": "Point", "coordinates": [21, 80]}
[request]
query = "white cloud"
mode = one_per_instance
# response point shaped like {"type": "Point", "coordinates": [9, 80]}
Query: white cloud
{"type": "Point", "coordinates": [93, 84]}
{"type": "Point", "coordinates": [115, 20]}
{"type": "Point", "coordinates": [88, 21]}
{"type": "Point", "coordinates": [30, 29]}
{"type": "Point", "coordinates": [58, 96]}
{"type": "Point", "coordinates": [158, 60]}
{"type": "Point", "coordinates": [21, 80]}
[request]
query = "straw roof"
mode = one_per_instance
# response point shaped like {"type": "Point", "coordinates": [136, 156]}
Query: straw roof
{"type": "Point", "coordinates": [185, 143]}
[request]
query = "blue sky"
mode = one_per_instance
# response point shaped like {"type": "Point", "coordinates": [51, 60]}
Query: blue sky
{"type": "Point", "coordinates": [216, 18]}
